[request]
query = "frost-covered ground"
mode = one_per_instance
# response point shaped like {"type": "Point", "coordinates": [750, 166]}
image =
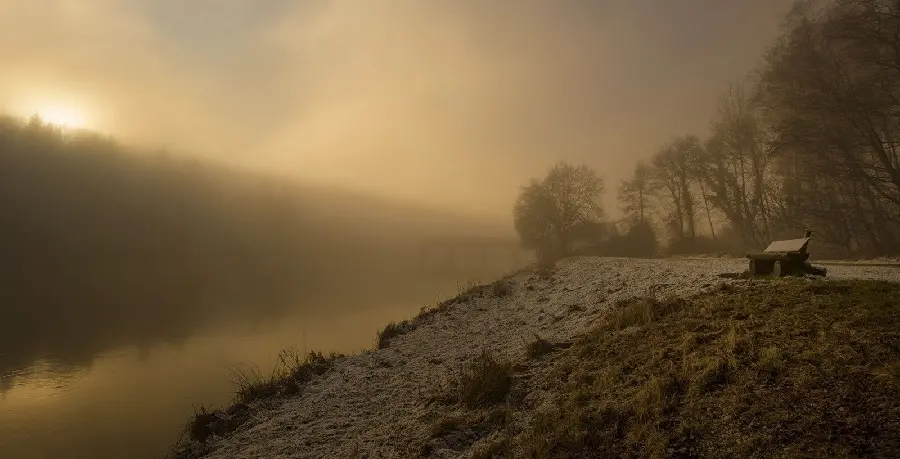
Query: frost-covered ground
{"type": "Point", "coordinates": [376, 404]}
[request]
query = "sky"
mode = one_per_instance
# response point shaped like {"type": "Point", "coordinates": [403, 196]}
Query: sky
{"type": "Point", "coordinates": [452, 103]}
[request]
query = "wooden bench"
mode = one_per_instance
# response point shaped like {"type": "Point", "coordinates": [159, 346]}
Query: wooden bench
{"type": "Point", "coordinates": [782, 258]}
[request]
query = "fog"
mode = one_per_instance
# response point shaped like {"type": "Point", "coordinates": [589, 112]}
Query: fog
{"type": "Point", "coordinates": [448, 103]}
{"type": "Point", "coordinates": [104, 246]}
{"type": "Point", "coordinates": [199, 168]}
{"type": "Point", "coordinates": [118, 262]}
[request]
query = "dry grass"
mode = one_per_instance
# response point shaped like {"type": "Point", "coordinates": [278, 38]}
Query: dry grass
{"type": "Point", "coordinates": [642, 311]}
{"type": "Point", "coordinates": [546, 269]}
{"type": "Point", "coordinates": [485, 381]}
{"type": "Point", "coordinates": [393, 330]}
{"type": "Point", "coordinates": [775, 369]}
{"type": "Point", "coordinates": [290, 375]}
{"type": "Point", "coordinates": [539, 347]}
{"type": "Point", "coordinates": [485, 430]}
{"type": "Point", "coordinates": [497, 448]}
{"type": "Point", "coordinates": [502, 288]}
{"type": "Point", "coordinates": [468, 292]}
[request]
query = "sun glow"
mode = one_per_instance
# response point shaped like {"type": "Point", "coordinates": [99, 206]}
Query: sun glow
{"type": "Point", "coordinates": [61, 108]}
{"type": "Point", "coordinates": [63, 116]}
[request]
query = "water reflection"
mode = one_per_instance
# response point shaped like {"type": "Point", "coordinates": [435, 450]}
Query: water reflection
{"type": "Point", "coordinates": [130, 401]}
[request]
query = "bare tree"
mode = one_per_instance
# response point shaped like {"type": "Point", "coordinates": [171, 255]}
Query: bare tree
{"type": "Point", "coordinates": [831, 88]}
{"type": "Point", "coordinates": [736, 169]}
{"type": "Point", "coordinates": [634, 194]}
{"type": "Point", "coordinates": [672, 177]}
{"type": "Point", "coordinates": [548, 211]}
{"type": "Point", "coordinates": [814, 142]}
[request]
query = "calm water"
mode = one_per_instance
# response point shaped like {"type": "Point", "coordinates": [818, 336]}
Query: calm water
{"type": "Point", "coordinates": [130, 403]}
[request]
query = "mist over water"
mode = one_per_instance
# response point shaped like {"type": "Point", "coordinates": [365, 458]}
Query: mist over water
{"type": "Point", "coordinates": [205, 183]}
{"type": "Point", "coordinates": [131, 401]}
{"type": "Point", "coordinates": [132, 281]}
{"type": "Point", "coordinates": [113, 388]}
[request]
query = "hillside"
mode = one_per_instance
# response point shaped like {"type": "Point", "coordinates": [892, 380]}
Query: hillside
{"type": "Point", "coordinates": [597, 358]}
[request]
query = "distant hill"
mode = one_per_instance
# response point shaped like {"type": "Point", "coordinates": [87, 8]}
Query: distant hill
{"type": "Point", "coordinates": [102, 244]}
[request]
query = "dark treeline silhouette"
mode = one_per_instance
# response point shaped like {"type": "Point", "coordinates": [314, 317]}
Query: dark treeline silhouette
{"type": "Point", "coordinates": [103, 246]}
{"type": "Point", "coordinates": [811, 141]}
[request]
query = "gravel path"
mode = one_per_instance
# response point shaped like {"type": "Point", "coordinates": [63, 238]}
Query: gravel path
{"type": "Point", "coordinates": [376, 404]}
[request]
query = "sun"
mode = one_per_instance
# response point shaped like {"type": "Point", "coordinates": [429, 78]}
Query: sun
{"type": "Point", "coordinates": [62, 116]}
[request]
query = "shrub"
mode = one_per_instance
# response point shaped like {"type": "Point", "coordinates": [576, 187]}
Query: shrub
{"type": "Point", "coordinates": [639, 242]}
{"type": "Point", "coordinates": [200, 426]}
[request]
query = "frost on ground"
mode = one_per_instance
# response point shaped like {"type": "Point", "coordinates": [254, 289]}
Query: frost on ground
{"type": "Point", "coordinates": [381, 403]}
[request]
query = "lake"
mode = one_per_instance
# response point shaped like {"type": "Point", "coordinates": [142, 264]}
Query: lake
{"type": "Point", "coordinates": [131, 401]}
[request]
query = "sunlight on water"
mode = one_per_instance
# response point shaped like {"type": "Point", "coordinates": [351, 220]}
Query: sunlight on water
{"type": "Point", "coordinates": [39, 384]}
{"type": "Point", "coordinates": [132, 402]}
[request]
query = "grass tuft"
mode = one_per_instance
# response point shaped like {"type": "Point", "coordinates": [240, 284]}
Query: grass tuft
{"type": "Point", "coordinates": [642, 311]}
{"type": "Point", "coordinates": [770, 361]}
{"type": "Point", "coordinates": [485, 381]}
{"type": "Point", "coordinates": [291, 373]}
{"type": "Point", "coordinates": [393, 330]}
{"type": "Point", "coordinates": [201, 424]}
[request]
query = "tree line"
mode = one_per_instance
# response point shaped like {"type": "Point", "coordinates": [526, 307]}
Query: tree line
{"type": "Point", "coordinates": [809, 140]}
{"type": "Point", "coordinates": [102, 244]}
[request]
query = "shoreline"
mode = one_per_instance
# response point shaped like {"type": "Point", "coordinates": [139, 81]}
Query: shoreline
{"type": "Point", "coordinates": [385, 401]}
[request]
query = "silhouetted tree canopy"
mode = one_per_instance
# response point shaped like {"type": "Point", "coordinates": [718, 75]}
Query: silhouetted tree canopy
{"type": "Point", "coordinates": [811, 141]}
{"type": "Point", "coordinates": [548, 211]}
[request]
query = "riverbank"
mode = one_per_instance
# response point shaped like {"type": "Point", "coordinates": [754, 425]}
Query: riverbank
{"type": "Point", "coordinates": [479, 374]}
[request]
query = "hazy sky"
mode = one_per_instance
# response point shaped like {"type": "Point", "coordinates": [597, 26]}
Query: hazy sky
{"type": "Point", "coordinates": [454, 102]}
